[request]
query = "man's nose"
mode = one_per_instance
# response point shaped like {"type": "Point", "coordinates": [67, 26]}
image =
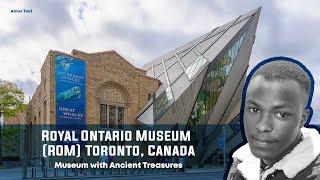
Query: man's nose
{"type": "Point", "coordinates": [265, 123]}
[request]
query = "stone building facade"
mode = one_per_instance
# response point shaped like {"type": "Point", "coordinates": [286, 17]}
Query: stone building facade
{"type": "Point", "coordinates": [111, 83]}
{"type": "Point", "coordinates": [116, 92]}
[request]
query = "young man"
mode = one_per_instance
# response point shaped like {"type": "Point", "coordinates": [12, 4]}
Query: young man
{"type": "Point", "coordinates": [274, 113]}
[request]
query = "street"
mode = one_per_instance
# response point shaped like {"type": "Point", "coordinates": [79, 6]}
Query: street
{"type": "Point", "coordinates": [202, 176]}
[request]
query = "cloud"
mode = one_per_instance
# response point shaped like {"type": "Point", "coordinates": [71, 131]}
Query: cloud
{"type": "Point", "coordinates": [47, 18]}
{"type": "Point", "coordinates": [290, 28]}
{"type": "Point", "coordinates": [28, 87]}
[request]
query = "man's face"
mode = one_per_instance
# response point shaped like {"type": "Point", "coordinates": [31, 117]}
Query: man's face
{"type": "Point", "coordinates": [273, 115]}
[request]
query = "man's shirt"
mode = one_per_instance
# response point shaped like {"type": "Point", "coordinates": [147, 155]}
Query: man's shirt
{"type": "Point", "coordinates": [303, 162]}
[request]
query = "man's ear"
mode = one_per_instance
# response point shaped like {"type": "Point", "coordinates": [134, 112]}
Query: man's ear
{"type": "Point", "coordinates": [304, 118]}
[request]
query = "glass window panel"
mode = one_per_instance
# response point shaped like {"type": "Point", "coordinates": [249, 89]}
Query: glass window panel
{"type": "Point", "coordinates": [201, 47]}
{"type": "Point", "coordinates": [162, 103]}
{"type": "Point", "coordinates": [120, 117]}
{"type": "Point", "coordinates": [170, 61]}
{"type": "Point", "coordinates": [216, 47]}
{"type": "Point", "coordinates": [188, 59]}
{"type": "Point", "coordinates": [181, 51]}
{"type": "Point", "coordinates": [180, 85]}
{"type": "Point", "coordinates": [112, 116]}
{"type": "Point", "coordinates": [231, 53]}
{"type": "Point", "coordinates": [241, 40]}
{"type": "Point", "coordinates": [195, 66]}
{"type": "Point", "coordinates": [237, 46]}
{"type": "Point", "coordinates": [160, 90]}
{"type": "Point", "coordinates": [147, 116]}
{"type": "Point", "coordinates": [174, 71]}
{"type": "Point", "coordinates": [163, 79]}
{"type": "Point", "coordinates": [190, 69]}
{"type": "Point", "coordinates": [213, 84]}
{"type": "Point", "coordinates": [234, 51]}
{"type": "Point", "coordinates": [103, 115]}
{"type": "Point", "coordinates": [158, 69]}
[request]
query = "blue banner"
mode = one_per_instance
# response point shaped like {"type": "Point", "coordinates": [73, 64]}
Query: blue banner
{"type": "Point", "coordinates": [70, 91]}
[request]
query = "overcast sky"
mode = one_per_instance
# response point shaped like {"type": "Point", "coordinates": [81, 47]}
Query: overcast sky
{"type": "Point", "coordinates": [142, 30]}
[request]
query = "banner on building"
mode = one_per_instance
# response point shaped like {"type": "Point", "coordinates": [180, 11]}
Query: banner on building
{"type": "Point", "coordinates": [70, 91]}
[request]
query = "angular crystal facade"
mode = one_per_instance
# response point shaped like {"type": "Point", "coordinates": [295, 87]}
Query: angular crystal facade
{"type": "Point", "coordinates": [162, 103]}
{"type": "Point", "coordinates": [213, 84]}
{"type": "Point", "coordinates": [195, 66]}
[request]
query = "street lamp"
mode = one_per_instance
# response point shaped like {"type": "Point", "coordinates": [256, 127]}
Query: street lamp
{"type": "Point", "coordinates": [1, 118]}
{"type": "Point", "coordinates": [1, 123]}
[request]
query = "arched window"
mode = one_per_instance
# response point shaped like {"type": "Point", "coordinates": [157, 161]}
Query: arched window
{"type": "Point", "coordinates": [113, 106]}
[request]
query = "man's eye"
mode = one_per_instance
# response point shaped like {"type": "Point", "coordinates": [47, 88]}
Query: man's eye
{"type": "Point", "coordinates": [281, 115]}
{"type": "Point", "coordinates": [254, 110]}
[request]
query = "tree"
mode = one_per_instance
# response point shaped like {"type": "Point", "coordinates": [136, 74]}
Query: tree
{"type": "Point", "coordinates": [11, 99]}
{"type": "Point", "coordinates": [11, 103]}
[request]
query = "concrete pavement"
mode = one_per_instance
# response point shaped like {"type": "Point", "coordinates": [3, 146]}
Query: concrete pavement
{"type": "Point", "coordinates": [194, 173]}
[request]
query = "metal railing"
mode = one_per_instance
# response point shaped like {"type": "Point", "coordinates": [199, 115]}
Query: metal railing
{"type": "Point", "coordinates": [38, 172]}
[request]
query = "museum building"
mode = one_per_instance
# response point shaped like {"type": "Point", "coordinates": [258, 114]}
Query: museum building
{"type": "Point", "coordinates": [114, 90]}
{"type": "Point", "coordinates": [201, 86]}
{"type": "Point", "coordinates": [81, 89]}
{"type": "Point", "coordinates": [194, 87]}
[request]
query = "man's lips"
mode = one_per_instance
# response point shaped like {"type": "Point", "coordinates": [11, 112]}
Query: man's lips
{"type": "Point", "coordinates": [263, 140]}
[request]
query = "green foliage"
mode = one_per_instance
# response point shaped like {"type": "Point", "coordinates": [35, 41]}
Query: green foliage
{"type": "Point", "coordinates": [10, 132]}
{"type": "Point", "coordinates": [10, 138]}
{"type": "Point", "coordinates": [11, 99]}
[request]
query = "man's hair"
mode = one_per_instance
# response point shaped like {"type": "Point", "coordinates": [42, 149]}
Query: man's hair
{"type": "Point", "coordinates": [285, 70]}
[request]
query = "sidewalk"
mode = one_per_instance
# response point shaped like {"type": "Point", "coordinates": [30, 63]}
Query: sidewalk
{"type": "Point", "coordinates": [10, 173]}
{"type": "Point", "coordinates": [16, 173]}
{"type": "Point", "coordinates": [213, 169]}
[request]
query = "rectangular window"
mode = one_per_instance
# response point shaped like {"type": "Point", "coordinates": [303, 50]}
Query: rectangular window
{"type": "Point", "coordinates": [120, 117]}
{"type": "Point", "coordinates": [103, 115]}
{"type": "Point", "coordinates": [111, 116]}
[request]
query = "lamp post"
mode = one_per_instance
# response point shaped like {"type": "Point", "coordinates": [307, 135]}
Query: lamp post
{"type": "Point", "coordinates": [1, 123]}
{"type": "Point", "coordinates": [1, 118]}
